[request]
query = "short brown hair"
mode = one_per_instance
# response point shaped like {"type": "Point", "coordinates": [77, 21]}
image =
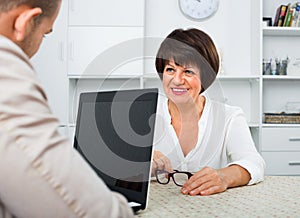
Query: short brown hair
{"type": "Point", "coordinates": [186, 47]}
{"type": "Point", "coordinates": [48, 6]}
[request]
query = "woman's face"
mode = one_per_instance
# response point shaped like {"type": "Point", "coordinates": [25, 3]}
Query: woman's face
{"type": "Point", "coordinates": [181, 84]}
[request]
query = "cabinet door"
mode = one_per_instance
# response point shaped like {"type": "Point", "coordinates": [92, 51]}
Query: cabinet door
{"type": "Point", "coordinates": [107, 13]}
{"type": "Point", "coordinates": [51, 65]}
{"type": "Point", "coordinates": [282, 163]}
{"type": "Point", "coordinates": [281, 139]}
{"type": "Point", "coordinates": [106, 51]}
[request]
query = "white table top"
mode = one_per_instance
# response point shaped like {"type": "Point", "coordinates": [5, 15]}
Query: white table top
{"type": "Point", "coordinates": [277, 196]}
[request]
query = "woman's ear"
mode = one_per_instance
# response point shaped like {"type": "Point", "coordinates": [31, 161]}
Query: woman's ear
{"type": "Point", "coordinates": [25, 22]}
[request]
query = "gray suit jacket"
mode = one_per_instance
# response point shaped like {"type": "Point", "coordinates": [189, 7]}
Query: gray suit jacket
{"type": "Point", "coordinates": [41, 175]}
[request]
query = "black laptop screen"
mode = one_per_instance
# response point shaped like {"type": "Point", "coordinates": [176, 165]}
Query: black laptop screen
{"type": "Point", "coordinates": [114, 133]}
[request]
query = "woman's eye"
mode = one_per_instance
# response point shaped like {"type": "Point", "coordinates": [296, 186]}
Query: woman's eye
{"type": "Point", "coordinates": [169, 69]}
{"type": "Point", "coordinates": [189, 72]}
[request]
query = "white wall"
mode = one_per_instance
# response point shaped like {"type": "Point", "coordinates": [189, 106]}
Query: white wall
{"type": "Point", "coordinates": [230, 28]}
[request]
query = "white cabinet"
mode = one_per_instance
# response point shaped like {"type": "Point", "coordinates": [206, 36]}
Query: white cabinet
{"type": "Point", "coordinates": [105, 47]}
{"type": "Point", "coordinates": [280, 143]}
{"type": "Point", "coordinates": [281, 149]}
{"type": "Point", "coordinates": [105, 51]}
{"type": "Point", "coordinates": [281, 139]}
{"type": "Point", "coordinates": [282, 163]}
{"type": "Point", "coordinates": [107, 13]}
{"type": "Point", "coordinates": [51, 65]}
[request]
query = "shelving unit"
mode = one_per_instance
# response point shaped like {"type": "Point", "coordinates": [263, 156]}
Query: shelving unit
{"type": "Point", "coordinates": [280, 143]}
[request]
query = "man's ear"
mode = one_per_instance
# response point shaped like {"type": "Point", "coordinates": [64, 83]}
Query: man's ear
{"type": "Point", "coordinates": [24, 22]}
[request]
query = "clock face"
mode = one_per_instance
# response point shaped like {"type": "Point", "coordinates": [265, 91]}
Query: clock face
{"type": "Point", "coordinates": [198, 9]}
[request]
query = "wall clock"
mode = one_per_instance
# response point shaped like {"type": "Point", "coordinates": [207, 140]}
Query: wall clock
{"type": "Point", "coordinates": [198, 9]}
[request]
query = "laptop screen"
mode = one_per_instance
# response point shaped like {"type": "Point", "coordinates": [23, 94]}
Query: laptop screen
{"type": "Point", "coordinates": [114, 133]}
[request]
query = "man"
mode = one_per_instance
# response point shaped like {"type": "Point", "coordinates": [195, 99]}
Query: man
{"type": "Point", "coordinates": [41, 175]}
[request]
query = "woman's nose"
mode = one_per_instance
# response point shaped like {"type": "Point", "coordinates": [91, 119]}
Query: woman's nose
{"type": "Point", "coordinates": [178, 78]}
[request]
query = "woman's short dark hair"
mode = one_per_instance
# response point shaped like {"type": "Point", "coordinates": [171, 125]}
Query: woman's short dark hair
{"type": "Point", "coordinates": [190, 47]}
{"type": "Point", "coordinates": [48, 6]}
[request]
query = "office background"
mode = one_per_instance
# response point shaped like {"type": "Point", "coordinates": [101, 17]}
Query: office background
{"type": "Point", "coordinates": [76, 60]}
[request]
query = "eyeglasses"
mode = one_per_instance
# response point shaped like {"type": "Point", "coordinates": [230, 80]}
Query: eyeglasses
{"type": "Point", "coordinates": [179, 177]}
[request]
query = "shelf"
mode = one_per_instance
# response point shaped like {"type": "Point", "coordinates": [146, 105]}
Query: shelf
{"type": "Point", "coordinates": [151, 76]}
{"type": "Point", "coordinates": [281, 31]}
{"type": "Point", "coordinates": [280, 77]}
{"type": "Point", "coordinates": [239, 77]}
{"type": "Point", "coordinates": [253, 125]}
{"type": "Point", "coordinates": [104, 77]}
{"type": "Point", "coordinates": [154, 76]}
{"type": "Point", "coordinates": [280, 125]}
{"type": "Point", "coordinates": [220, 77]}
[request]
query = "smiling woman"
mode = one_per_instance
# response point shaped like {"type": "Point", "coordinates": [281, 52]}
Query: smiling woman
{"type": "Point", "coordinates": [195, 133]}
{"type": "Point", "coordinates": [192, 48]}
{"type": "Point", "coordinates": [181, 84]}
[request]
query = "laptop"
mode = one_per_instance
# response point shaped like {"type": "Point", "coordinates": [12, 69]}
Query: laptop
{"type": "Point", "coordinates": [114, 133]}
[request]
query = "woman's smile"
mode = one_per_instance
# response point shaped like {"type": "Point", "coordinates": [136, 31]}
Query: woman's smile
{"type": "Point", "coordinates": [179, 91]}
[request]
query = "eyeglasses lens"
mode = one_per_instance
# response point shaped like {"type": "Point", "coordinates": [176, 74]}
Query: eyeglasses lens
{"type": "Point", "coordinates": [162, 177]}
{"type": "Point", "coordinates": [180, 178]}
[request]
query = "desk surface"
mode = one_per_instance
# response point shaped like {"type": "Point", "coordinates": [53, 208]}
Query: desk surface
{"type": "Point", "coordinates": [277, 196]}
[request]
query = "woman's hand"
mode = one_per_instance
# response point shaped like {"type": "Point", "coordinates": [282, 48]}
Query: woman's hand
{"type": "Point", "coordinates": [209, 181]}
{"type": "Point", "coordinates": [160, 162]}
{"type": "Point", "coordinates": [205, 182]}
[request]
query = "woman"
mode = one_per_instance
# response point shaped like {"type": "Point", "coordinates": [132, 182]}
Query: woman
{"type": "Point", "coordinates": [195, 133]}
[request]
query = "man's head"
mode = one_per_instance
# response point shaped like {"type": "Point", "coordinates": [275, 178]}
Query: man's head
{"type": "Point", "coordinates": [25, 22]}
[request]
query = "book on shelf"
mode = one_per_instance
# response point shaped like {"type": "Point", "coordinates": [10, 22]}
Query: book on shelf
{"type": "Point", "coordinates": [287, 15]}
{"type": "Point", "coordinates": [278, 10]}
{"type": "Point", "coordinates": [293, 16]}
{"type": "Point", "coordinates": [298, 21]}
{"type": "Point", "coordinates": [280, 15]}
{"type": "Point", "coordinates": [296, 14]}
{"type": "Point", "coordinates": [290, 17]}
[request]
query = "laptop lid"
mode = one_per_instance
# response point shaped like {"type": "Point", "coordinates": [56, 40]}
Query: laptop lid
{"type": "Point", "coordinates": [114, 133]}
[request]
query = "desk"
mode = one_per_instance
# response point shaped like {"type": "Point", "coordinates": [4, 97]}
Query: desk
{"type": "Point", "coordinates": [277, 196]}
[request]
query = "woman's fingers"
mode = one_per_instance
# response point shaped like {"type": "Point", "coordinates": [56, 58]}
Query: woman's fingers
{"type": "Point", "coordinates": [167, 164]}
{"type": "Point", "coordinates": [161, 162]}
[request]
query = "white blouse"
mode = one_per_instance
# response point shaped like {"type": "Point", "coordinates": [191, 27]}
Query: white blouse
{"type": "Point", "coordinates": [224, 139]}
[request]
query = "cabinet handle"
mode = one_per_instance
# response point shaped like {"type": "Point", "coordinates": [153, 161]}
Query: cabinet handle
{"type": "Point", "coordinates": [61, 51]}
{"type": "Point", "coordinates": [294, 163]}
{"type": "Point", "coordinates": [294, 139]}
{"type": "Point", "coordinates": [72, 51]}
